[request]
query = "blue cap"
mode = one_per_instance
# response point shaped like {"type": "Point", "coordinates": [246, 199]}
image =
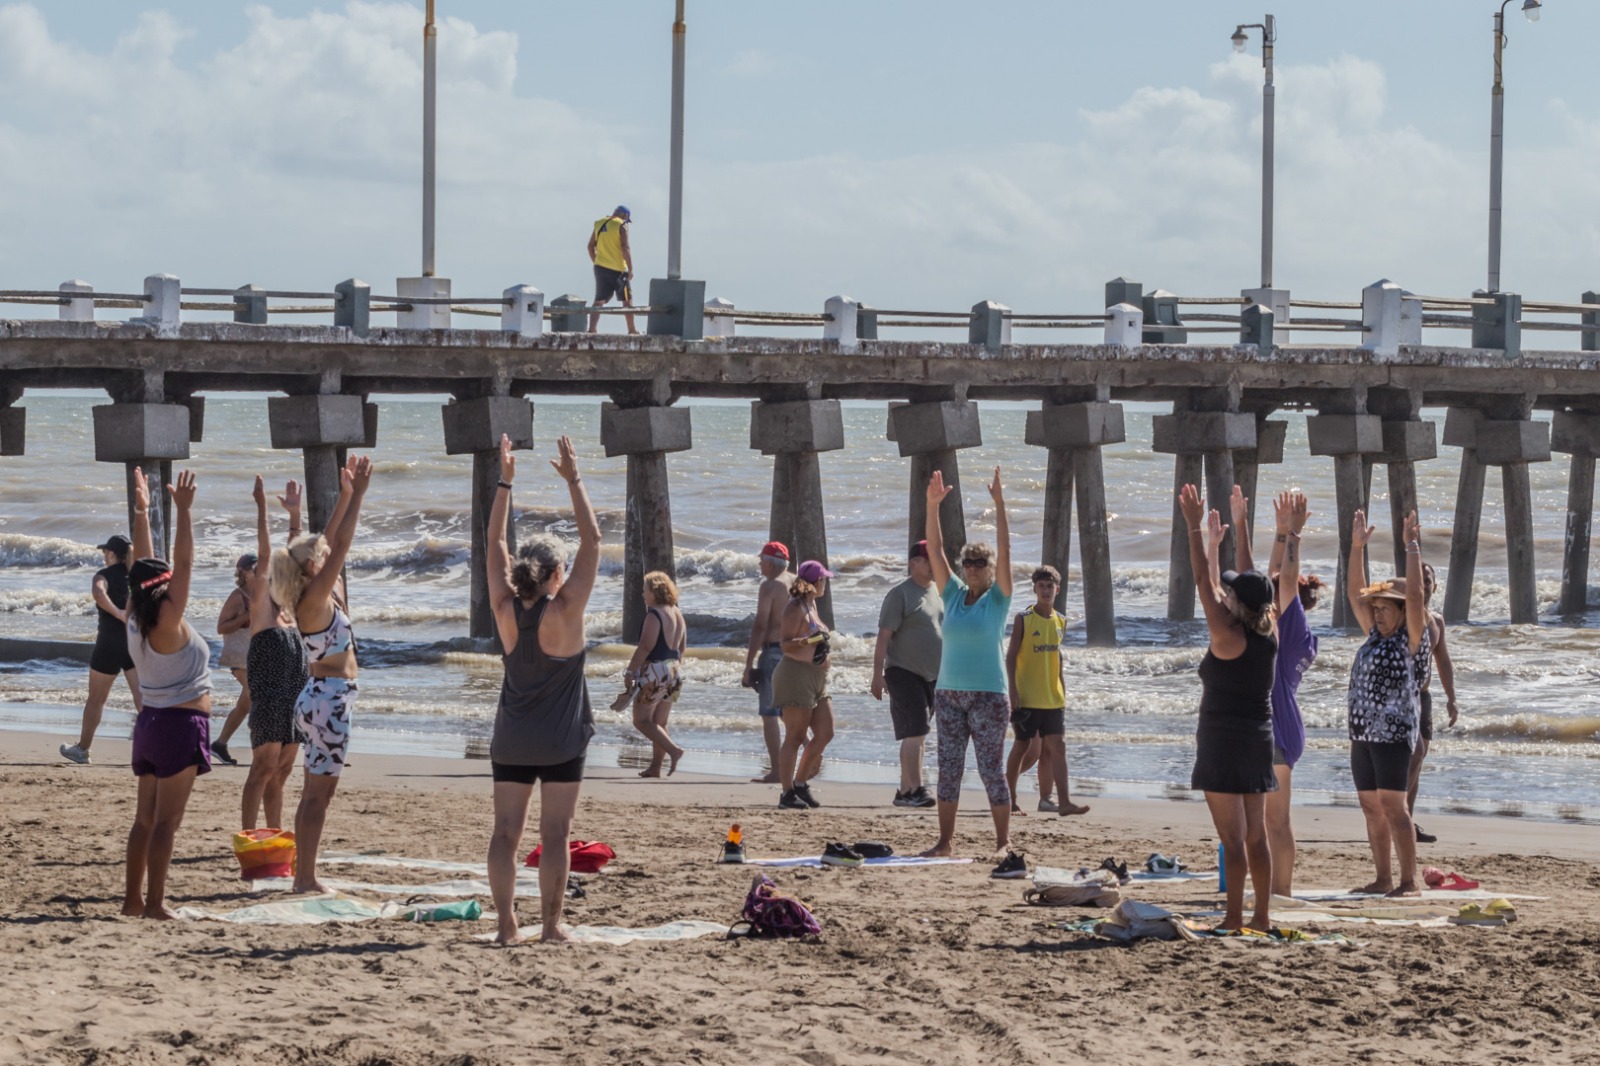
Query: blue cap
{"type": "Point", "coordinates": [623, 211]}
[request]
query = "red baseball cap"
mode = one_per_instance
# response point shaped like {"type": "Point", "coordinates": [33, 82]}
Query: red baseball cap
{"type": "Point", "coordinates": [775, 550]}
{"type": "Point", "coordinates": [919, 550]}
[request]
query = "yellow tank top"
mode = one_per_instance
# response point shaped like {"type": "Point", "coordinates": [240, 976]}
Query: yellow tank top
{"type": "Point", "coordinates": [608, 243]}
{"type": "Point", "coordinates": [1039, 661]}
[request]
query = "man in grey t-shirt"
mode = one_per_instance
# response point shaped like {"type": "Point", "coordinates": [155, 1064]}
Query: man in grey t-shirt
{"type": "Point", "coordinates": [906, 662]}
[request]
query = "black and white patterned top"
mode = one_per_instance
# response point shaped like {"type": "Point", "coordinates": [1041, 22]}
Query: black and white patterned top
{"type": "Point", "coordinates": [1385, 688]}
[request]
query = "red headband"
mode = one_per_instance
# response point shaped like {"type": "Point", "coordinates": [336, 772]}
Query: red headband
{"type": "Point", "coordinates": [159, 579]}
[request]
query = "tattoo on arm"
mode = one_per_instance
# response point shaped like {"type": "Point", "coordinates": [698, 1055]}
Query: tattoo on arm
{"type": "Point", "coordinates": [1291, 550]}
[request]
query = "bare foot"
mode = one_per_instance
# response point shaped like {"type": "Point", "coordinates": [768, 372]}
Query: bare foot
{"type": "Point", "coordinates": [1018, 812]}
{"type": "Point", "coordinates": [1260, 924]}
{"type": "Point", "coordinates": [1407, 890]}
{"type": "Point", "coordinates": [133, 907]}
{"type": "Point", "coordinates": [506, 937]}
{"type": "Point", "coordinates": [652, 772]}
{"type": "Point", "coordinates": [1074, 808]}
{"type": "Point", "coordinates": [1377, 888]}
{"type": "Point", "coordinates": [159, 912]}
{"type": "Point", "coordinates": [940, 850]}
{"type": "Point", "coordinates": [1000, 852]}
{"type": "Point", "coordinates": [770, 779]}
{"type": "Point", "coordinates": [310, 886]}
{"type": "Point", "coordinates": [672, 765]}
{"type": "Point", "coordinates": [554, 934]}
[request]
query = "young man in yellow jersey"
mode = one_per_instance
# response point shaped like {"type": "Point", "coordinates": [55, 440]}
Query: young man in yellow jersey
{"type": "Point", "coordinates": [613, 264]}
{"type": "Point", "coordinates": [1038, 688]}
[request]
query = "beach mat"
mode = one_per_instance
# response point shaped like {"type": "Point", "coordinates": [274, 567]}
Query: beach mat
{"type": "Point", "coordinates": [1333, 895]}
{"type": "Point", "coordinates": [892, 860]}
{"type": "Point", "coordinates": [314, 910]}
{"type": "Point", "coordinates": [527, 887]}
{"type": "Point", "coordinates": [613, 934]}
{"type": "Point", "coordinates": [1054, 875]}
{"type": "Point", "coordinates": [351, 858]}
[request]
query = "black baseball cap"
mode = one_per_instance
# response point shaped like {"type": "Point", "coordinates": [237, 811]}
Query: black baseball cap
{"type": "Point", "coordinates": [116, 543]}
{"type": "Point", "coordinates": [1253, 588]}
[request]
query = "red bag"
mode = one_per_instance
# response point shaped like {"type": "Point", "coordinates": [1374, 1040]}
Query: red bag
{"type": "Point", "coordinates": [587, 856]}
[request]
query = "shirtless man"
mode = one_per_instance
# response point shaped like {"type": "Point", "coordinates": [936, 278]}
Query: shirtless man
{"type": "Point", "coordinates": [765, 649]}
{"type": "Point", "coordinates": [1447, 681]}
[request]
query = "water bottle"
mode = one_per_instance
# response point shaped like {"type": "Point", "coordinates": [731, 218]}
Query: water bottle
{"type": "Point", "coordinates": [1222, 870]}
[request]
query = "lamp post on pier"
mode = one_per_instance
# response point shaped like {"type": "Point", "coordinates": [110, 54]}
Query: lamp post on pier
{"type": "Point", "coordinates": [1269, 35]}
{"type": "Point", "coordinates": [1497, 117]}
{"type": "Point", "coordinates": [430, 87]}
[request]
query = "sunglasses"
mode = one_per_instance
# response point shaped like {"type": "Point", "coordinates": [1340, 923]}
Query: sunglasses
{"type": "Point", "coordinates": [974, 564]}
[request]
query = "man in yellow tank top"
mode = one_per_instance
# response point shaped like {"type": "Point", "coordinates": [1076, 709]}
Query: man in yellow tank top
{"type": "Point", "coordinates": [613, 263]}
{"type": "Point", "coordinates": [1038, 690]}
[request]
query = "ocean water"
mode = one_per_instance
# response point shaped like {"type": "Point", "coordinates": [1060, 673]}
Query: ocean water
{"type": "Point", "coordinates": [1528, 742]}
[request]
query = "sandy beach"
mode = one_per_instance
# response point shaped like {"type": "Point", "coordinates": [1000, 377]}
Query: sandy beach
{"type": "Point", "coordinates": [932, 965]}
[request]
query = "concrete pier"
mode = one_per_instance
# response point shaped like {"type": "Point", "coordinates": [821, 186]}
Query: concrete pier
{"type": "Point", "coordinates": [794, 433]}
{"type": "Point", "coordinates": [930, 434]}
{"type": "Point", "coordinates": [1577, 433]}
{"type": "Point", "coordinates": [1202, 433]}
{"type": "Point", "coordinates": [1345, 431]}
{"type": "Point", "coordinates": [645, 433]}
{"type": "Point", "coordinates": [473, 425]}
{"type": "Point", "coordinates": [319, 424]}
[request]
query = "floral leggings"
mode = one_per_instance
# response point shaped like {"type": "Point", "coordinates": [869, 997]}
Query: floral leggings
{"type": "Point", "coordinates": [322, 714]}
{"type": "Point", "coordinates": [983, 716]}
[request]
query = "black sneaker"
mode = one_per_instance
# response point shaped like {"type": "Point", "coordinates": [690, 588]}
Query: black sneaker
{"type": "Point", "coordinates": [840, 855]}
{"type": "Point", "coordinates": [905, 799]}
{"type": "Point", "coordinates": [731, 852]}
{"type": "Point", "coordinates": [1011, 867]}
{"type": "Point", "coordinates": [220, 750]}
{"type": "Point", "coordinates": [1422, 837]}
{"type": "Point", "coordinates": [791, 800]}
{"type": "Point", "coordinates": [803, 790]}
{"type": "Point", "coordinates": [1119, 869]}
{"type": "Point", "coordinates": [920, 798]}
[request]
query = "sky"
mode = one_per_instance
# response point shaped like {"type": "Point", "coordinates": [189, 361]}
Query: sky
{"type": "Point", "coordinates": [916, 153]}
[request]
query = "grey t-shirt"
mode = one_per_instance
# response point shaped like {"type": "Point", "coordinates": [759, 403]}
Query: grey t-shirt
{"type": "Point", "coordinates": [916, 615]}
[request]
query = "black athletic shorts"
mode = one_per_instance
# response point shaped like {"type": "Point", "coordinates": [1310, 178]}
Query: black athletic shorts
{"type": "Point", "coordinates": [560, 773]}
{"type": "Point", "coordinates": [910, 700]}
{"type": "Point", "coordinates": [1028, 723]}
{"type": "Point", "coordinates": [1427, 715]}
{"type": "Point", "coordinates": [110, 655]}
{"type": "Point", "coordinates": [609, 283]}
{"type": "Point", "coordinates": [1380, 766]}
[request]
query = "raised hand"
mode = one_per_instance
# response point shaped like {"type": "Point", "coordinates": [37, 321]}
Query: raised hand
{"type": "Point", "coordinates": [141, 490]}
{"type": "Point", "coordinates": [1300, 513]}
{"type": "Point", "coordinates": [1283, 511]}
{"type": "Point", "coordinates": [994, 488]}
{"type": "Point", "coordinates": [259, 493]}
{"type": "Point", "coordinates": [565, 463]}
{"type": "Point", "coordinates": [508, 461]}
{"type": "Point", "coordinates": [1189, 503]}
{"type": "Point", "coordinates": [938, 490]}
{"type": "Point", "coordinates": [290, 500]}
{"type": "Point", "coordinates": [360, 473]}
{"type": "Point", "coordinates": [1360, 532]}
{"type": "Point", "coordinates": [1413, 529]}
{"type": "Point", "coordinates": [1239, 506]}
{"type": "Point", "coordinates": [1215, 530]}
{"type": "Point", "coordinates": [182, 492]}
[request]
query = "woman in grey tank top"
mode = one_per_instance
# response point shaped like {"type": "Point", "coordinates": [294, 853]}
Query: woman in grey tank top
{"type": "Point", "coordinates": [172, 735]}
{"type": "Point", "coordinates": [544, 722]}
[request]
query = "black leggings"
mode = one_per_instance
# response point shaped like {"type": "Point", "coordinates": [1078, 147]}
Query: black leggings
{"type": "Point", "coordinates": [1380, 766]}
{"type": "Point", "coordinates": [557, 773]}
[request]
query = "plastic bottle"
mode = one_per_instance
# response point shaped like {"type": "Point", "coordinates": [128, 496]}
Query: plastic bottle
{"type": "Point", "coordinates": [1222, 870]}
{"type": "Point", "coordinates": [733, 847]}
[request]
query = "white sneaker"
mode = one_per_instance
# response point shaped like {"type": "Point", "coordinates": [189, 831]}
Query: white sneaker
{"type": "Point", "coordinates": [1049, 806]}
{"type": "Point", "coordinates": [73, 753]}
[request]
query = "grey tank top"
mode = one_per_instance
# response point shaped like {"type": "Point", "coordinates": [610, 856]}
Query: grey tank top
{"type": "Point", "coordinates": [544, 716]}
{"type": "Point", "coordinates": [171, 679]}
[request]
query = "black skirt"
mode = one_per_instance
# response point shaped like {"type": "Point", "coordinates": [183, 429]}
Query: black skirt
{"type": "Point", "coordinates": [1233, 755]}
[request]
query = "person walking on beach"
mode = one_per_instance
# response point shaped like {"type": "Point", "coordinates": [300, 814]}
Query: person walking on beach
{"type": "Point", "coordinates": [765, 649]}
{"type": "Point", "coordinates": [1385, 703]}
{"type": "Point", "coordinates": [972, 699]}
{"type": "Point", "coordinates": [544, 721]}
{"type": "Point", "coordinates": [655, 671]}
{"type": "Point", "coordinates": [1447, 680]}
{"type": "Point", "coordinates": [800, 687]}
{"type": "Point", "coordinates": [1297, 649]}
{"type": "Point", "coordinates": [1037, 680]}
{"type": "Point", "coordinates": [172, 735]}
{"type": "Point", "coordinates": [110, 655]}
{"type": "Point", "coordinates": [613, 264]}
{"type": "Point", "coordinates": [1233, 741]}
{"type": "Point", "coordinates": [905, 661]}
{"type": "Point", "coordinates": [305, 574]}
{"type": "Point", "coordinates": [276, 671]}
{"type": "Point", "coordinates": [233, 626]}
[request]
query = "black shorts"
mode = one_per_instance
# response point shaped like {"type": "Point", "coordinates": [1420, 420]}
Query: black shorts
{"type": "Point", "coordinates": [110, 655]}
{"type": "Point", "coordinates": [609, 283]}
{"type": "Point", "coordinates": [910, 700]}
{"type": "Point", "coordinates": [1427, 715]}
{"type": "Point", "coordinates": [1028, 723]}
{"type": "Point", "coordinates": [561, 773]}
{"type": "Point", "coordinates": [1380, 766]}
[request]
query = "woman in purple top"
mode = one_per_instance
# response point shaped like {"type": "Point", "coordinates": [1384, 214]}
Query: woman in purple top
{"type": "Point", "coordinates": [1297, 647]}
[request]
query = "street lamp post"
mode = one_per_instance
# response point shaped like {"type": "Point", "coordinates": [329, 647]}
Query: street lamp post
{"type": "Point", "coordinates": [430, 87]}
{"type": "Point", "coordinates": [675, 172]}
{"type": "Point", "coordinates": [1269, 35]}
{"type": "Point", "coordinates": [1497, 117]}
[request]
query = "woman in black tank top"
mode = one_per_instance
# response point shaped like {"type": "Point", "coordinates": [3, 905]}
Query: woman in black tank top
{"type": "Point", "coordinates": [1233, 742]}
{"type": "Point", "coordinates": [544, 721]}
{"type": "Point", "coordinates": [653, 674]}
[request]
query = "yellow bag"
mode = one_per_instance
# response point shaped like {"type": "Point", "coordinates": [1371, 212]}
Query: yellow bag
{"type": "Point", "coordinates": [264, 853]}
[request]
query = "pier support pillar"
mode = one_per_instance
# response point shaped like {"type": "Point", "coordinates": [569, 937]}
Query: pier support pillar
{"type": "Point", "coordinates": [645, 434]}
{"type": "Point", "coordinates": [473, 425]}
{"type": "Point", "coordinates": [1348, 434]}
{"type": "Point", "coordinates": [319, 425]}
{"type": "Point", "coordinates": [1247, 462]}
{"type": "Point", "coordinates": [1578, 434]}
{"type": "Point", "coordinates": [145, 436]}
{"type": "Point", "coordinates": [794, 433]}
{"type": "Point", "coordinates": [929, 434]}
{"type": "Point", "coordinates": [1074, 434]}
{"type": "Point", "coordinates": [13, 421]}
{"type": "Point", "coordinates": [1203, 442]}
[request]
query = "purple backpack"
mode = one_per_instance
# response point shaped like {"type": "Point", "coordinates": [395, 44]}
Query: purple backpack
{"type": "Point", "coordinates": [767, 912]}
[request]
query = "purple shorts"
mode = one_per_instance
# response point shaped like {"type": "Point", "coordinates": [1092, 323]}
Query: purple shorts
{"type": "Point", "coordinates": [167, 741]}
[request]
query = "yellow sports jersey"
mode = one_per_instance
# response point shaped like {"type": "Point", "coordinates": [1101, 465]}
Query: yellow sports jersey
{"type": "Point", "coordinates": [608, 243]}
{"type": "Point", "coordinates": [1038, 674]}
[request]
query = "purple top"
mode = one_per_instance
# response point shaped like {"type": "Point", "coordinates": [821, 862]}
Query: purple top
{"type": "Point", "coordinates": [1297, 647]}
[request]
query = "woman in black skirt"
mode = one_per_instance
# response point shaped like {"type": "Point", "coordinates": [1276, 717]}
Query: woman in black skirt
{"type": "Point", "coordinates": [1233, 744]}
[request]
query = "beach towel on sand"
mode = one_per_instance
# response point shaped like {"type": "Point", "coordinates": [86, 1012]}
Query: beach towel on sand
{"type": "Point", "coordinates": [892, 860]}
{"type": "Point", "coordinates": [320, 910]}
{"type": "Point", "coordinates": [612, 934]}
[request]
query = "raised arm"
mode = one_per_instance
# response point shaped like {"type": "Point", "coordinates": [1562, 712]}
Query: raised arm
{"type": "Point", "coordinates": [1239, 505]}
{"type": "Point", "coordinates": [1215, 533]}
{"type": "Point", "coordinates": [1002, 537]}
{"type": "Point", "coordinates": [262, 608]}
{"type": "Point", "coordinates": [1416, 609]}
{"type": "Point", "coordinates": [1282, 505]}
{"type": "Point", "coordinates": [1355, 571]}
{"type": "Point", "coordinates": [182, 493]}
{"type": "Point", "coordinates": [353, 482]}
{"type": "Point", "coordinates": [498, 562]}
{"type": "Point", "coordinates": [291, 500]}
{"type": "Point", "coordinates": [574, 594]}
{"type": "Point", "coordinates": [143, 547]}
{"type": "Point", "coordinates": [1227, 639]}
{"type": "Point", "coordinates": [1292, 515]}
{"type": "Point", "coordinates": [940, 564]}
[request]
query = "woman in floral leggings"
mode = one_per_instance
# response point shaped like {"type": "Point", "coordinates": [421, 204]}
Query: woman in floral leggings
{"type": "Point", "coordinates": [971, 700]}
